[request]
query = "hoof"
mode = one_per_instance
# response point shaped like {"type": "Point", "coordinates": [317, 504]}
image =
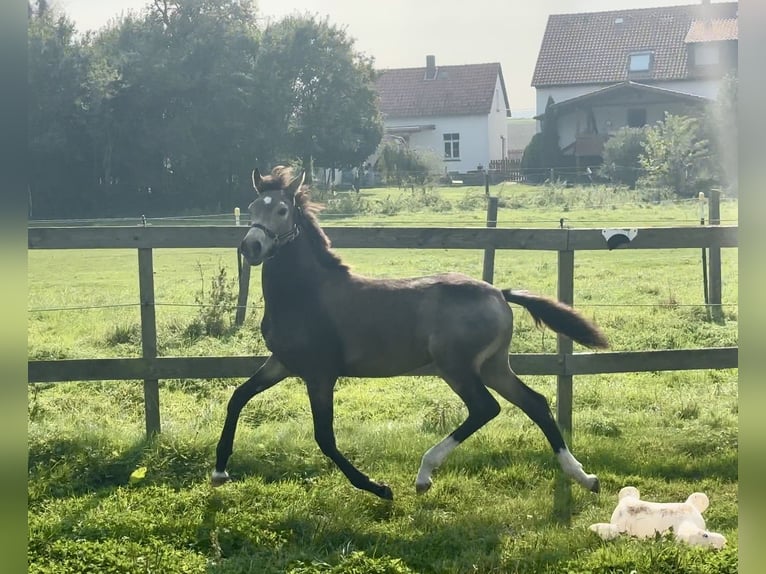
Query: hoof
{"type": "Point", "coordinates": [219, 478]}
{"type": "Point", "coordinates": [422, 487]}
{"type": "Point", "coordinates": [383, 491]}
{"type": "Point", "coordinates": [595, 485]}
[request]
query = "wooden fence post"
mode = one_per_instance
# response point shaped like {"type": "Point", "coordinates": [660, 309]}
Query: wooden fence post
{"type": "Point", "coordinates": [149, 338]}
{"type": "Point", "coordinates": [488, 269]}
{"type": "Point", "coordinates": [564, 344]}
{"type": "Point", "coordinates": [562, 499]}
{"type": "Point", "coordinates": [244, 289]}
{"type": "Point", "coordinates": [714, 269]}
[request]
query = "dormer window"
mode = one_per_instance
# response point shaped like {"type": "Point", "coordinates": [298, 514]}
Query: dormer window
{"type": "Point", "coordinates": [639, 62]}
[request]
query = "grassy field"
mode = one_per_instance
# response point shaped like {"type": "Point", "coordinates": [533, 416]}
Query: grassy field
{"type": "Point", "coordinates": [101, 499]}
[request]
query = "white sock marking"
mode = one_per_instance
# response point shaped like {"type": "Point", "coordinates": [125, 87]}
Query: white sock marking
{"type": "Point", "coordinates": [433, 458]}
{"type": "Point", "coordinates": [571, 466]}
{"type": "Point", "coordinates": [219, 476]}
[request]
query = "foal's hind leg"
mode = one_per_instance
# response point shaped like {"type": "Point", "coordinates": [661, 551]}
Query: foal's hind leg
{"type": "Point", "coordinates": [270, 373]}
{"type": "Point", "coordinates": [497, 374]}
{"type": "Point", "coordinates": [482, 408]}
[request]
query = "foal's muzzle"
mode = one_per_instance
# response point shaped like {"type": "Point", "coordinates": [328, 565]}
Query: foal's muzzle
{"type": "Point", "coordinates": [257, 245]}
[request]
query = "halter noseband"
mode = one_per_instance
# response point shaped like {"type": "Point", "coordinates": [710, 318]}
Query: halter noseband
{"type": "Point", "coordinates": [283, 238]}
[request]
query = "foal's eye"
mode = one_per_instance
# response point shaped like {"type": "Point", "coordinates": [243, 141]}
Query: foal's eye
{"type": "Point", "coordinates": [282, 211]}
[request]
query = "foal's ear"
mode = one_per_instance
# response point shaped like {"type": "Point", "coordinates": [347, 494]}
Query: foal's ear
{"type": "Point", "coordinates": [257, 180]}
{"type": "Point", "coordinates": [296, 184]}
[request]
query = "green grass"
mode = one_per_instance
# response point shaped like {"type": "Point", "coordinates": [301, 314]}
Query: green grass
{"type": "Point", "coordinates": [491, 508]}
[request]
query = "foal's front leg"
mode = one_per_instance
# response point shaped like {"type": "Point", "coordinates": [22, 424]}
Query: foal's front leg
{"type": "Point", "coordinates": [270, 373]}
{"type": "Point", "coordinates": [321, 399]}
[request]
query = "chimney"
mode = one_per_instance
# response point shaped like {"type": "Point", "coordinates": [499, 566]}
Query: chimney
{"type": "Point", "coordinates": [430, 67]}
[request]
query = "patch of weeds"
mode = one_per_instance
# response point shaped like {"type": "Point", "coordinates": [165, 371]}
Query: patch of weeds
{"type": "Point", "coordinates": [388, 206]}
{"type": "Point", "coordinates": [217, 307]}
{"type": "Point", "coordinates": [199, 388]}
{"type": "Point", "coordinates": [35, 410]}
{"type": "Point", "coordinates": [355, 561]}
{"type": "Point", "coordinates": [708, 442]}
{"type": "Point", "coordinates": [604, 428]}
{"type": "Point", "coordinates": [670, 301]}
{"type": "Point", "coordinates": [471, 201]}
{"type": "Point", "coordinates": [688, 411]}
{"type": "Point", "coordinates": [125, 334]}
{"type": "Point", "coordinates": [346, 204]}
{"type": "Point", "coordinates": [424, 199]}
{"type": "Point", "coordinates": [664, 556]}
{"type": "Point", "coordinates": [442, 416]}
{"type": "Point", "coordinates": [112, 555]}
{"type": "Point", "coordinates": [50, 352]}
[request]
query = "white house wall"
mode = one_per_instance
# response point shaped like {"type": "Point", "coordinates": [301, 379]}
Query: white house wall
{"type": "Point", "coordinates": [705, 88]}
{"type": "Point", "coordinates": [561, 94]}
{"type": "Point", "coordinates": [474, 144]}
{"type": "Point", "coordinates": [497, 122]}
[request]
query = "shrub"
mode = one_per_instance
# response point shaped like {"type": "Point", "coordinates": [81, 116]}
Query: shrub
{"type": "Point", "coordinates": [346, 204]}
{"type": "Point", "coordinates": [622, 154]}
{"type": "Point", "coordinates": [677, 157]}
{"type": "Point", "coordinates": [403, 166]}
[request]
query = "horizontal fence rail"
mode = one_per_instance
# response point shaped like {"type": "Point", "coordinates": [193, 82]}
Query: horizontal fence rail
{"type": "Point", "coordinates": [195, 237]}
{"type": "Point", "coordinates": [244, 366]}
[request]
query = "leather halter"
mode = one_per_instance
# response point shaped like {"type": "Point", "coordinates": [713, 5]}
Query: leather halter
{"type": "Point", "coordinates": [283, 238]}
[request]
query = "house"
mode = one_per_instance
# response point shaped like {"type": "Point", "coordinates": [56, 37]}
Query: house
{"type": "Point", "coordinates": [601, 71]}
{"type": "Point", "coordinates": [458, 112]}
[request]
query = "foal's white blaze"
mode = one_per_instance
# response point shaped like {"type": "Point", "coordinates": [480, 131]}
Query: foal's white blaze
{"type": "Point", "coordinates": [267, 200]}
{"type": "Point", "coordinates": [433, 457]}
{"type": "Point", "coordinates": [571, 466]}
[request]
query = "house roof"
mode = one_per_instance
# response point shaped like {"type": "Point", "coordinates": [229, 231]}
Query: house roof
{"type": "Point", "coordinates": [624, 90]}
{"type": "Point", "coordinates": [718, 30]}
{"type": "Point", "coordinates": [455, 91]}
{"type": "Point", "coordinates": [593, 47]}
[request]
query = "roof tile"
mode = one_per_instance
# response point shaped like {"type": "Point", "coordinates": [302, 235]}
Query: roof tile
{"type": "Point", "coordinates": [457, 90]}
{"type": "Point", "coordinates": [713, 30]}
{"type": "Point", "coordinates": [593, 47]}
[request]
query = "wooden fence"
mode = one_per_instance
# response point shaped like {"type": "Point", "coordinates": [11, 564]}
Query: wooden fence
{"type": "Point", "coordinates": [564, 363]}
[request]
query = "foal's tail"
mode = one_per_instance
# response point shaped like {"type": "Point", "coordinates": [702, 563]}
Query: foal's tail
{"type": "Point", "coordinates": [559, 317]}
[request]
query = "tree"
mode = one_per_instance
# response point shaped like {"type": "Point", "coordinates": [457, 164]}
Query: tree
{"type": "Point", "coordinates": [622, 154]}
{"type": "Point", "coordinates": [323, 90]}
{"type": "Point", "coordinates": [543, 152]}
{"type": "Point", "coordinates": [58, 140]}
{"type": "Point", "coordinates": [676, 156]}
{"type": "Point", "coordinates": [182, 127]}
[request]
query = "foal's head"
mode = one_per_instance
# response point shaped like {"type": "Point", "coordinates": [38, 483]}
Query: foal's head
{"type": "Point", "coordinates": [273, 218]}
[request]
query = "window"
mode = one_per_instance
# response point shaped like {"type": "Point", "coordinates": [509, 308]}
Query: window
{"type": "Point", "coordinates": [637, 117]}
{"type": "Point", "coordinates": [451, 146]}
{"type": "Point", "coordinates": [639, 62]}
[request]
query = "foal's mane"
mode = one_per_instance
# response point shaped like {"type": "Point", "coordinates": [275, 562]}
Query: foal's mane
{"type": "Point", "coordinates": [306, 216]}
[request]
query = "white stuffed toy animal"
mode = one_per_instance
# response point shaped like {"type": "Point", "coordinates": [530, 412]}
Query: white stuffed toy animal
{"type": "Point", "coordinates": [644, 519]}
